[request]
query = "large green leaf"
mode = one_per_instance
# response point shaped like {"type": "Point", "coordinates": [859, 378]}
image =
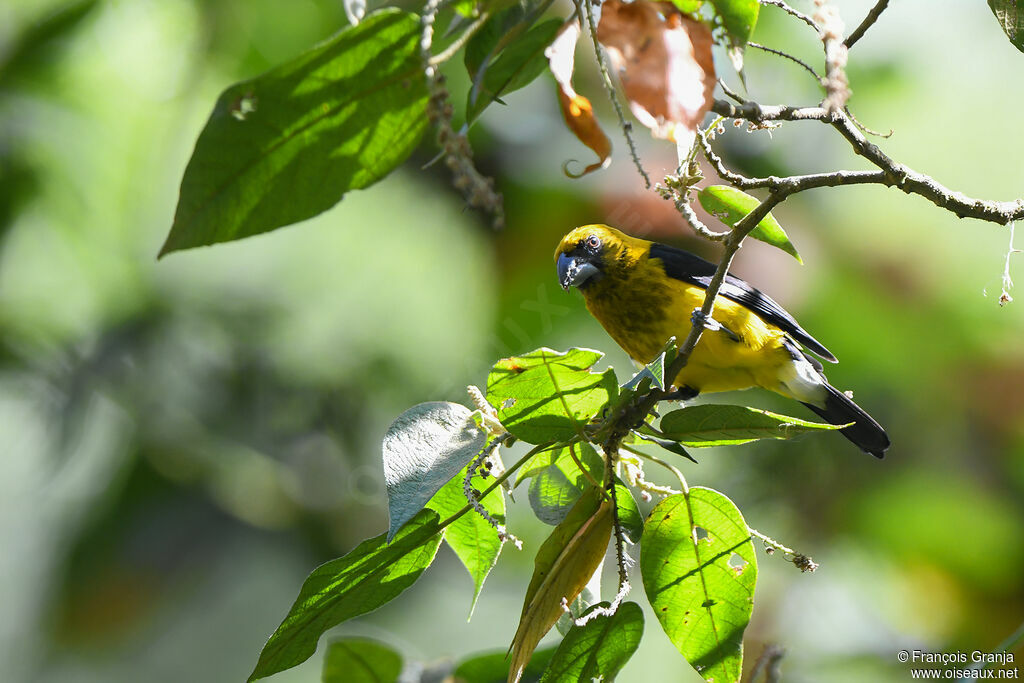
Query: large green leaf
{"type": "Point", "coordinates": [555, 488]}
{"type": "Point", "coordinates": [598, 649]}
{"type": "Point", "coordinates": [1010, 14]}
{"type": "Point", "coordinates": [423, 449]}
{"type": "Point", "coordinates": [699, 572]}
{"type": "Point", "coordinates": [688, 6]}
{"type": "Point", "coordinates": [548, 396]}
{"type": "Point", "coordinates": [730, 205]}
{"type": "Point", "coordinates": [289, 144]}
{"type": "Point", "coordinates": [516, 66]}
{"type": "Point", "coordinates": [727, 425]}
{"type": "Point", "coordinates": [360, 660]}
{"type": "Point", "coordinates": [471, 536]}
{"type": "Point", "coordinates": [493, 667]}
{"type": "Point", "coordinates": [361, 581]}
{"type": "Point", "coordinates": [739, 18]}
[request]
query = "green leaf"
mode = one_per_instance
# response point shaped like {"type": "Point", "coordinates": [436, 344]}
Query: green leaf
{"type": "Point", "coordinates": [466, 8]}
{"type": "Point", "coordinates": [1010, 14]}
{"type": "Point", "coordinates": [599, 649]}
{"type": "Point", "coordinates": [655, 370]}
{"type": "Point", "coordinates": [471, 536]}
{"type": "Point", "coordinates": [688, 6]}
{"type": "Point", "coordinates": [728, 425]}
{"type": "Point", "coordinates": [549, 396]}
{"type": "Point", "coordinates": [513, 68]}
{"type": "Point", "coordinates": [555, 489]}
{"type": "Point", "coordinates": [629, 514]}
{"type": "Point", "coordinates": [559, 482]}
{"type": "Point", "coordinates": [360, 660]}
{"type": "Point", "coordinates": [493, 668]}
{"type": "Point", "coordinates": [560, 456]}
{"type": "Point", "coordinates": [670, 446]}
{"type": "Point", "coordinates": [38, 42]}
{"type": "Point", "coordinates": [589, 596]}
{"type": "Point", "coordinates": [730, 205]}
{"type": "Point", "coordinates": [497, 32]}
{"type": "Point", "coordinates": [739, 18]}
{"type": "Point", "coordinates": [289, 144]}
{"type": "Point", "coordinates": [552, 495]}
{"type": "Point", "coordinates": [701, 585]}
{"type": "Point", "coordinates": [361, 581]}
{"type": "Point", "coordinates": [423, 449]}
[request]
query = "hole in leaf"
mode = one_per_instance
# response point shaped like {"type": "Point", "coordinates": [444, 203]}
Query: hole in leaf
{"type": "Point", "coordinates": [737, 563]}
{"type": "Point", "coordinates": [700, 534]}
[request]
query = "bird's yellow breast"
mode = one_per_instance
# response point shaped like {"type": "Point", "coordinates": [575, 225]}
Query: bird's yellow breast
{"type": "Point", "coordinates": [642, 310]}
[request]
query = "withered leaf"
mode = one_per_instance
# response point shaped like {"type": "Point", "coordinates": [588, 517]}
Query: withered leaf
{"type": "Point", "coordinates": [664, 62]}
{"type": "Point", "coordinates": [576, 109]}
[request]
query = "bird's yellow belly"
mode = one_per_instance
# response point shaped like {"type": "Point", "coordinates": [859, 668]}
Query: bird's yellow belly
{"type": "Point", "coordinates": [718, 363]}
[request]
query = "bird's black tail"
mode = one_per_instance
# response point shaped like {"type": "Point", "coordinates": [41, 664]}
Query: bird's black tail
{"type": "Point", "coordinates": [840, 409]}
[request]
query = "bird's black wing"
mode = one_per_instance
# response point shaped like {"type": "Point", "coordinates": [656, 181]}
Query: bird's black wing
{"type": "Point", "coordinates": [682, 265]}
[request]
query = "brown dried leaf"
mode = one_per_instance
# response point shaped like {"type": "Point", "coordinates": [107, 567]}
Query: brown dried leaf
{"type": "Point", "coordinates": [562, 567]}
{"type": "Point", "coordinates": [576, 109]}
{"type": "Point", "coordinates": [664, 61]}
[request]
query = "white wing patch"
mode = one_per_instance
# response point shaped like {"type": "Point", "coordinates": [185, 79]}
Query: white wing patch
{"type": "Point", "coordinates": [802, 381]}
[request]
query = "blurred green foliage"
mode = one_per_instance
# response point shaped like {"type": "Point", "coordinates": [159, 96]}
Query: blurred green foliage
{"type": "Point", "coordinates": [182, 441]}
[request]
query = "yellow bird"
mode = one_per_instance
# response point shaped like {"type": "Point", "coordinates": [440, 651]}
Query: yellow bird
{"type": "Point", "coordinates": [643, 292]}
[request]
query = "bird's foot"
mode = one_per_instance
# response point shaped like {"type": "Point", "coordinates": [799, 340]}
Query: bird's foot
{"type": "Point", "coordinates": [708, 323]}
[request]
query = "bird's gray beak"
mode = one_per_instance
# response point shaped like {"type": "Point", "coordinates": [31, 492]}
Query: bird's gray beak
{"type": "Point", "coordinates": [574, 271]}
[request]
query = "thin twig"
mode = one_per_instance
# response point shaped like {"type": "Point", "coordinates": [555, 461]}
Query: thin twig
{"type": "Point", "coordinates": [869, 20]}
{"type": "Point", "coordinates": [731, 93]}
{"type": "Point", "coordinates": [789, 10]}
{"type": "Point", "coordinates": [477, 189]}
{"type": "Point", "coordinates": [498, 481]}
{"type": "Point", "coordinates": [622, 560]}
{"type": "Point", "coordinates": [475, 498]}
{"type": "Point", "coordinates": [786, 55]}
{"type": "Point", "coordinates": [790, 184]}
{"type": "Point", "coordinates": [609, 87]}
{"type": "Point", "coordinates": [895, 174]}
{"type": "Point", "coordinates": [803, 562]}
{"type": "Point", "coordinates": [864, 128]}
{"type": "Point", "coordinates": [1011, 642]}
{"type": "Point", "coordinates": [635, 477]}
{"type": "Point", "coordinates": [678, 194]}
{"type": "Point", "coordinates": [461, 41]}
{"type": "Point", "coordinates": [768, 664]}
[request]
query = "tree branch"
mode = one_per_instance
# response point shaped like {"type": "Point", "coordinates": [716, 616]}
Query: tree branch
{"type": "Point", "coordinates": [869, 20]}
{"type": "Point", "coordinates": [789, 184]}
{"type": "Point", "coordinates": [786, 55]}
{"type": "Point", "coordinates": [894, 174]}
{"type": "Point", "coordinates": [583, 7]}
{"type": "Point", "coordinates": [789, 10]}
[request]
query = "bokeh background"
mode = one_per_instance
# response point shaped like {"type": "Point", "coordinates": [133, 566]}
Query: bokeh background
{"type": "Point", "coordinates": [182, 441]}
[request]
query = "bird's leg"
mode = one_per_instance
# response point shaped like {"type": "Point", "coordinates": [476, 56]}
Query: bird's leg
{"type": "Point", "coordinates": [709, 323]}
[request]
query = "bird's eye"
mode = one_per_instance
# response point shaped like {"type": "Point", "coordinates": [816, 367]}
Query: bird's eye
{"type": "Point", "coordinates": [593, 242]}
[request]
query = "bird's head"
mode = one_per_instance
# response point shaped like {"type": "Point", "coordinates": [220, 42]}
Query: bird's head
{"type": "Point", "coordinates": [585, 255]}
